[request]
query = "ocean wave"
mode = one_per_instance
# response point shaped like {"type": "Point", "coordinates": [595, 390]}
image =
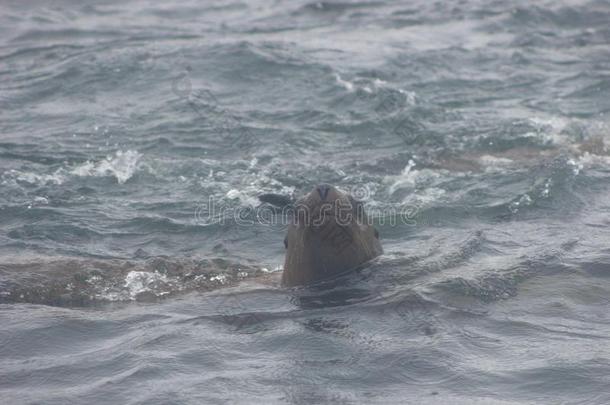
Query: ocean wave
{"type": "Point", "coordinates": [122, 166]}
{"type": "Point", "coordinates": [69, 282]}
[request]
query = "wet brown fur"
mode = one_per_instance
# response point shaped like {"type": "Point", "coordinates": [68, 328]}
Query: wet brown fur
{"type": "Point", "coordinates": [324, 240]}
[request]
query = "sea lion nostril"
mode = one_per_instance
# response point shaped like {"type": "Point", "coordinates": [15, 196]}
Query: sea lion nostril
{"type": "Point", "coordinates": [323, 191]}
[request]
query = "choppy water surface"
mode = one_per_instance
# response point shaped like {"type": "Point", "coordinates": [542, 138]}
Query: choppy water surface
{"type": "Point", "coordinates": [121, 121]}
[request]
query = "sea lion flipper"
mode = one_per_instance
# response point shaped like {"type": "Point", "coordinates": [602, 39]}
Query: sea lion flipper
{"type": "Point", "coordinates": [276, 200]}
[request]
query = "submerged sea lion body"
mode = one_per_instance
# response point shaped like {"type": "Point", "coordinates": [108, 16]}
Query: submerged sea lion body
{"type": "Point", "coordinates": [329, 235]}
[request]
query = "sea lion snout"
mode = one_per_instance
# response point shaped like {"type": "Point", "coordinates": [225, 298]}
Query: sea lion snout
{"type": "Point", "coordinates": [323, 190]}
{"type": "Point", "coordinates": [323, 194]}
{"type": "Point", "coordinates": [324, 203]}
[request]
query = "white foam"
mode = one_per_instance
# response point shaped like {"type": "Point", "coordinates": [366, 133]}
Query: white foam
{"type": "Point", "coordinates": [233, 194]}
{"type": "Point", "coordinates": [411, 96]}
{"type": "Point", "coordinates": [576, 166]}
{"type": "Point", "coordinates": [137, 282]}
{"type": "Point", "coordinates": [425, 197]}
{"type": "Point", "coordinates": [122, 166]}
{"type": "Point", "coordinates": [349, 86]}
{"type": "Point", "coordinates": [406, 177]}
{"type": "Point", "coordinates": [38, 201]}
{"type": "Point", "coordinates": [410, 178]}
{"type": "Point", "coordinates": [57, 177]}
{"type": "Point", "coordinates": [372, 86]}
{"type": "Point", "coordinates": [490, 160]}
{"type": "Point", "coordinates": [379, 82]}
{"type": "Point", "coordinates": [549, 130]}
{"type": "Point", "coordinates": [221, 278]}
{"type": "Point", "coordinates": [524, 201]}
{"type": "Point", "coordinates": [546, 191]}
{"type": "Point", "coordinates": [590, 159]}
{"type": "Point", "coordinates": [557, 124]}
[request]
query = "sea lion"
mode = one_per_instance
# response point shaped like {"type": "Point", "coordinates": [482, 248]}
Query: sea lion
{"type": "Point", "coordinates": [328, 234]}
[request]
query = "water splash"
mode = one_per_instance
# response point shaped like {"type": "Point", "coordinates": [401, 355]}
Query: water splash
{"type": "Point", "coordinates": [122, 166]}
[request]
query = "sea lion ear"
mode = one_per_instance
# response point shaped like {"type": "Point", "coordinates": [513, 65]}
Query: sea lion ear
{"type": "Point", "coordinates": [277, 200]}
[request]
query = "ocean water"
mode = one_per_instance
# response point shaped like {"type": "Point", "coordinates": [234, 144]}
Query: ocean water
{"type": "Point", "coordinates": [135, 137]}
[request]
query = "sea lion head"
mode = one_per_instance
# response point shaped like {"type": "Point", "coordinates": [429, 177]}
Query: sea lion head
{"type": "Point", "coordinates": [329, 234]}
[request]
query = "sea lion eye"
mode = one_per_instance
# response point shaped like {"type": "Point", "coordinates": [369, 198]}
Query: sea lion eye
{"type": "Point", "coordinates": [285, 243]}
{"type": "Point", "coordinates": [376, 233]}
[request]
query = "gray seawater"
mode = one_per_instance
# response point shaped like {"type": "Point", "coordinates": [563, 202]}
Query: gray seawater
{"type": "Point", "coordinates": [486, 121]}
